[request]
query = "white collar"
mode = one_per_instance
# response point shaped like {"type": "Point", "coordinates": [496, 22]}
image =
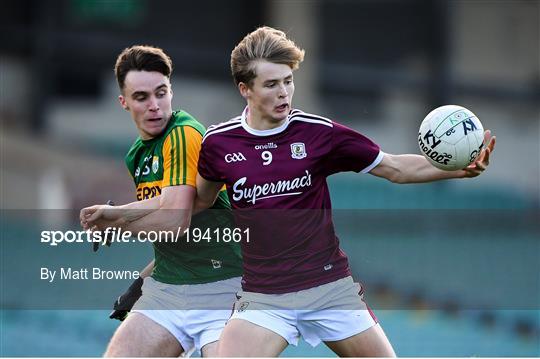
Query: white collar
{"type": "Point", "coordinates": [272, 131]}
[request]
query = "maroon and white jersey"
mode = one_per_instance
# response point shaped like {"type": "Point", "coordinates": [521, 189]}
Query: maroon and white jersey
{"type": "Point", "coordinates": [276, 182]}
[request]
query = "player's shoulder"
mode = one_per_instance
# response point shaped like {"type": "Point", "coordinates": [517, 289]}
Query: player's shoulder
{"type": "Point", "coordinates": [223, 128]}
{"type": "Point", "coordinates": [300, 116]}
{"type": "Point", "coordinates": [135, 147]}
{"type": "Point", "coordinates": [308, 119]}
{"type": "Point", "coordinates": [186, 123]}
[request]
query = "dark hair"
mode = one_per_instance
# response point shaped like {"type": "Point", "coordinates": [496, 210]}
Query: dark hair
{"type": "Point", "coordinates": [265, 43]}
{"type": "Point", "coordinates": [141, 58]}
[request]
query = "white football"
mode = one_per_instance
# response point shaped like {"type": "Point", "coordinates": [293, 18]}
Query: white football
{"type": "Point", "coordinates": [451, 137]}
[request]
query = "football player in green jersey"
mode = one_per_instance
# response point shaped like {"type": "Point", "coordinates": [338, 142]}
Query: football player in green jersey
{"type": "Point", "coordinates": [163, 164]}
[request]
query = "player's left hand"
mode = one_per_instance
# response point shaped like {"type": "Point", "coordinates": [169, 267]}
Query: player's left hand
{"type": "Point", "coordinates": [482, 161]}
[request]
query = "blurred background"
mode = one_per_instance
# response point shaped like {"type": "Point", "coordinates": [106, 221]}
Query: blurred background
{"type": "Point", "coordinates": [376, 66]}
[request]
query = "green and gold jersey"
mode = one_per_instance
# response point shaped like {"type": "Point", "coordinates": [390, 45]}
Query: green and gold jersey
{"type": "Point", "coordinates": [171, 160]}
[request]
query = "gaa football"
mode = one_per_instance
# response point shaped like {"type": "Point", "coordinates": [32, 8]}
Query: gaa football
{"type": "Point", "coordinates": [451, 137]}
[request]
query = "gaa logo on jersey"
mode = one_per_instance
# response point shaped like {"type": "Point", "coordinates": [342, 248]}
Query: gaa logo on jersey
{"type": "Point", "coordinates": [235, 157]}
{"type": "Point", "coordinates": [298, 150]}
{"type": "Point", "coordinates": [155, 164]}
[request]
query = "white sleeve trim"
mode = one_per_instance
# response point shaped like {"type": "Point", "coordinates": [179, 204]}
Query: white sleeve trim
{"type": "Point", "coordinates": [375, 162]}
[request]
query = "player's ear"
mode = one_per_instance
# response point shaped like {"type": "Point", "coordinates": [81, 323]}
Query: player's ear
{"type": "Point", "coordinates": [123, 102]}
{"type": "Point", "coordinates": [244, 89]}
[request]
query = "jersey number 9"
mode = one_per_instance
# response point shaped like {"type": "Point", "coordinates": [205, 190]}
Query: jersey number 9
{"type": "Point", "coordinates": [267, 157]}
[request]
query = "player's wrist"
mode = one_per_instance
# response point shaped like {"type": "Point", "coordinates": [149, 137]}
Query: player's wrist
{"type": "Point", "coordinates": [454, 174]}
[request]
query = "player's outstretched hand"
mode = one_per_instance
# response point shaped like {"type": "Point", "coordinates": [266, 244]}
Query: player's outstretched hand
{"type": "Point", "coordinates": [125, 302]}
{"type": "Point", "coordinates": [482, 161]}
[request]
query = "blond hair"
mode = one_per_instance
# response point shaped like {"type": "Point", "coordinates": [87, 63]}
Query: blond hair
{"type": "Point", "coordinates": [265, 43]}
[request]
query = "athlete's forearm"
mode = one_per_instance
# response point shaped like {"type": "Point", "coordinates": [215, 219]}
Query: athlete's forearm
{"type": "Point", "coordinates": [121, 216]}
{"type": "Point", "coordinates": [417, 169]}
{"type": "Point", "coordinates": [134, 211]}
{"type": "Point", "coordinates": [167, 212]}
{"type": "Point", "coordinates": [164, 220]}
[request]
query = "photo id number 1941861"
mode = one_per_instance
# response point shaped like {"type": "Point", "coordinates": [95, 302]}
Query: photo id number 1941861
{"type": "Point", "coordinates": [218, 235]}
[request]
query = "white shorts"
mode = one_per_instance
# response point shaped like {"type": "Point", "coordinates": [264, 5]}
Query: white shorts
{"type": "Point", "coordinates": [194, 314]}
{"type": "Point", "coordinates": [330, 312]}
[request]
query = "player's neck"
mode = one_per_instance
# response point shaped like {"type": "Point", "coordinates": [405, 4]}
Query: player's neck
{"type": "Point", "coordinates": [260, 123]}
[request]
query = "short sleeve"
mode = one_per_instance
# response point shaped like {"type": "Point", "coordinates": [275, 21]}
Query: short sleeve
{"type": "Point", "coordinates": [180, 156]}
{"type": "Point", "coordinates": [208, 169]}
{"type": "Point", "coordinates": [351, 151]}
